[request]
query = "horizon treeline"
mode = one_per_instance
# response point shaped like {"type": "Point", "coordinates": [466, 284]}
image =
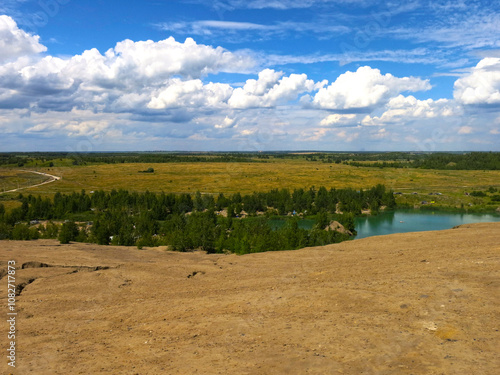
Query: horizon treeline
{"type": "Point", "coordinates": [441, 161]}
{"type": "Point", "coordinates": [434, 160]}
{"type": "Point", "coordinates": [186, 222]}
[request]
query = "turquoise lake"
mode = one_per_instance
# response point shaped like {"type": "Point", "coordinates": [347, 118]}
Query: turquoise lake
{"type": "Point", "coordinates": [403, 221]}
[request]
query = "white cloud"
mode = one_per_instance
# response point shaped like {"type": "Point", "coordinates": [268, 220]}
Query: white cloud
{"type": "Point", "coordinates": [338, 120]}
{"type": "Point", "coordinates": [280, 4]}
{"type": "Point", "coordinates": [465, 130]}
{"type": "Point", "coordinates": [168, 57]}
{"type": "Point", "coordinates": [403, 108]}
{"type": "Point", "coordinates": [347, 137]}
{"type": "Point", "coordinates": [269, 90]}
{"type": "Point", "coordinates": [474, 26]}
{"type": "Point", "coordinates": [226, 123]}
{"type": "Point", "coordinates": [414, 56]}
{"type": "Point", "coordinates": [132, 74]}
{"type": "Point", "coordinates": [76, 123]}
{"type": "Point", "coordinates": [192, 94]}
{"type": "Point", "coordinates": [317, 135]}
{"type": "Point", "coordinates": [276, 4]}
{"type": "Point", "coordinates": [131, 63]}
{"type": "Point", "coordinates": [15, 42]}
{"type": "Point", "coordinates": [146, 93]}
{"type": "Point", "coordinates": [481, 85]}
{"type": "Point", "coordinates": [267, 79]}
{"type": "Point", "coordinates": [364, 89]}
{"type": "Point", "coordinates": [210, 26]}
{"type": "Point", "coordinates": [248, 131]}
{"type": "Point", "coordinates": [243, 31]}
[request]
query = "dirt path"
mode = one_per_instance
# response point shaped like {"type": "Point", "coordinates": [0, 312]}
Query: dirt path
{"type": "Point", "coordinates": [415, 303]}
{"type": "Point", "coordinates": [52, 178]}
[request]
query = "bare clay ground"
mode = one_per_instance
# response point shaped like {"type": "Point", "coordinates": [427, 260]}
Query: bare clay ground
{"type": "Point", "coordinates": [417, 303]}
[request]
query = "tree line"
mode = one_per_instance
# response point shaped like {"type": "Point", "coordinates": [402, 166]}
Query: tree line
{"type": "Point", "coordinates": [185, 221]}
{"type": "Point", "coordinates": [25, 158]}
{"type": "Point", "coordinates": [443, 161]}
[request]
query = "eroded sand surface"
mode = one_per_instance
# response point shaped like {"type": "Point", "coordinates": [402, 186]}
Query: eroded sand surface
{"type": "Point", "coordinates": [418, 303]}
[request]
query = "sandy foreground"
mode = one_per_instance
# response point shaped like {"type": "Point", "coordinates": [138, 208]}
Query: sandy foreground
{"type": "Point", "coordinates": [417, 303]}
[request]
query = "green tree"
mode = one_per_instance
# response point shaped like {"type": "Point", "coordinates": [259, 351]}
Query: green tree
{"type": "Point", "coordinates": [101, 230]}
{"type": "Point", "coordinates": [69, 232]}
{"type": "Point", "coordinates": [5, 231]}
{"type": "Point", "coordinates": [321, 220]}
{"type": "Point", "coordinates": [49, 230]}
{"type": "Point", "coordinates": [21, 232]}
{"type": "Point", "coordinates": [201, 229]}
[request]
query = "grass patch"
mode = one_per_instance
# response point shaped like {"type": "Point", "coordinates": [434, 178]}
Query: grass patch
{"type": "Point", "coordinates": [14, 178]}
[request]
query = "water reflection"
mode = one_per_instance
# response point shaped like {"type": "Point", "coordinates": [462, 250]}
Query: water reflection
{"type": "Point", "coordinates": [403, 221]}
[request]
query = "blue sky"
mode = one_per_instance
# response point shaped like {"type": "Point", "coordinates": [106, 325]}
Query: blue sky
{"type": "Point", "coordinates": [249, 75]}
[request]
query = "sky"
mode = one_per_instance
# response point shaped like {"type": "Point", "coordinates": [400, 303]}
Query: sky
{"type": "Point", "coordinates": [249, 75]}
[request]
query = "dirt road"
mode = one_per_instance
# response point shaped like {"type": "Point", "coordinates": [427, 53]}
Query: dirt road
{"type": "Point", "coordinates": [51, 178]}
{"type": "Point", "coordinates": [415, 303]}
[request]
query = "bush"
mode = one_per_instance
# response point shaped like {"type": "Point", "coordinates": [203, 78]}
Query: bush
{"type": "Point", "coordinates": [478, 194]}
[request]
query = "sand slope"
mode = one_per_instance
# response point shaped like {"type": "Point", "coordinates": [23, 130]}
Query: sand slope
{"type": "Point", "coordinates": [418, 303]}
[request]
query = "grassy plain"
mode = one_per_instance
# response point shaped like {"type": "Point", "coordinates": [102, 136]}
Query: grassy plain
{"type": "Point", "coordinates": [217, 177]}
{"type": "Point", "coordinates": [15, 178]}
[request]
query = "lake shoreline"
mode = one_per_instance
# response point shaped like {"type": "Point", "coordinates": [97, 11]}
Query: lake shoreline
{"type": "Point", "coordinates": [406, 220]}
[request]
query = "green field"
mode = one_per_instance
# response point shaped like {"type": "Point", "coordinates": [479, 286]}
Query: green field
{"type": "Point", "coordinates": [217, 177]}
{"type": "Point", "coordinates": [14, 178]}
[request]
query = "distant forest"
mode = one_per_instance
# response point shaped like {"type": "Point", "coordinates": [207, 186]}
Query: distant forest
{"type": "Point", "coordinates": [22, 159]}
{"type": "Point", "coordinates": [469, 161]}
{"type": "Point", "coordinates": [437, 160]}
{"type": "Point", "coordinates": [187, 221]}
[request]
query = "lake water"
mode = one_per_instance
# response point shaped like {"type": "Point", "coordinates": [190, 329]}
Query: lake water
{"type": "Point", "coordinates": [403, 221]}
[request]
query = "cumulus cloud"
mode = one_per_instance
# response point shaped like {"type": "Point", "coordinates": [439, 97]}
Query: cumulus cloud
{"type": "Point", "coordinates": [77, 123]}
{"type": "Point", "coordinates": [192, 94]}
{"type": "Point", "coordinates": [365, 89]}
{"type": "Point", "coordinates": [269, 90]}
{"type": "Point", "coordinates": [136, 86]}
{"type": "Point", "coordinates": [336, 120]}
{"type": "Point", "coordinates": [149, 92]}
{"type": "Point", "coordinates": [144, 62]}
{"type": "Point", "coordinates": [15, 42]}
{"type": "Point", "coordinates": [226, 123]}
{"type": "Point", "coordinates": [168, 57]}
{"type": "Point", "coordinates": [403, 108]}
{"type": "Point", "coordinates": [130, 74]}
{"type": "Point", "coordinates": [482, 85]}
